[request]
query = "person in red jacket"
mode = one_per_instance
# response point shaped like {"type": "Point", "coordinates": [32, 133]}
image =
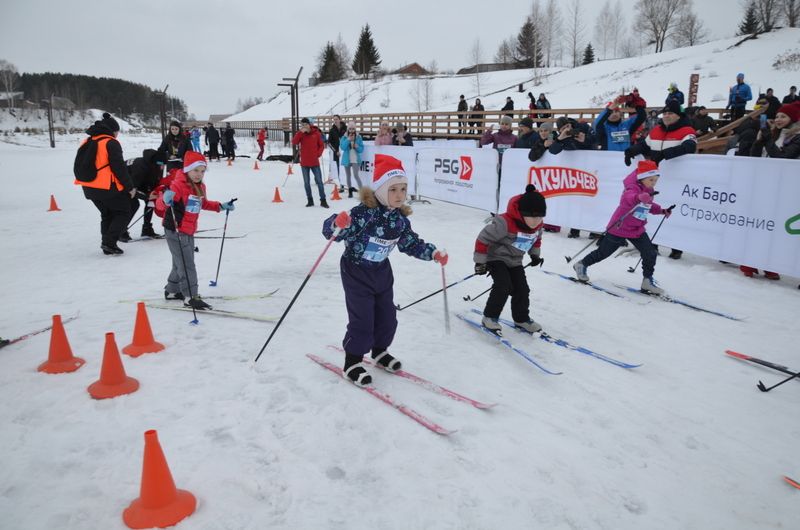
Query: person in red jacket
{"type": "Point", "coordinates": [311, 148]}
{"type": "Point", "coordinates": [184, 199]}
{"type": "Point", "coordinates": [261, 140]}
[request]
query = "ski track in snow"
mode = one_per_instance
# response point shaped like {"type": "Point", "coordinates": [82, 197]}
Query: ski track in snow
{"type": "Point", "coordinates": [685, 441]}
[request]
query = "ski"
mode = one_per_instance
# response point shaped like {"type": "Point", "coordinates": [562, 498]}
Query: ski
{"type": "Point", "coordinates": [220, 237]}
{"type": "Point", "coordinates": [792, 482]}
{"type": "Point", "coordinates": [217, 312]}
{"type": "Point", "coordinates": [217, 297]}
{"type": "Point", "coordinates": [564, 344]}
{"type": "Point", "coordinates": [143, 238]}
{"type": "Point", "coordinates": [667, 298]}
{"type": "Point", "coordinates": [9, 342]}
{"type": "Point", "coordinates": [505, 342]}
{"type": "Point", "coordinates": [590, 284]}
{"type": "Point", "coordinates": [756, 360]}
{"type": "Point", "coordinates": [429, 385]}
{"type": "Point", "coordinates": [386, 398]}
{"type": "Point", "coordinates": [207, 230]}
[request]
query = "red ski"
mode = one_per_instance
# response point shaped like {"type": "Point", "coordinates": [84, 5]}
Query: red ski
{"type": "Point", "coordinates": [9, 342]}
{"type": "Point", "coordinates": [792, 482]}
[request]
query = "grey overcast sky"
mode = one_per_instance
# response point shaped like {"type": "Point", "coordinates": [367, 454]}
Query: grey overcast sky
{"type": "Point", "coordinates": [212, 53]}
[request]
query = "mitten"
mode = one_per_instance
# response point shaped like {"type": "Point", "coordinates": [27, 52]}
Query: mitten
{"type": "Point", "coordinates": [480, 269]}
{"type": "Point", "coordinates": [168, 197]}
{"type": "Point", "coordinates": [342, 220]}
{"type": "Point", "coordinates": [441, 257]}
{"type": "Point", "coordinates": [228, 206]}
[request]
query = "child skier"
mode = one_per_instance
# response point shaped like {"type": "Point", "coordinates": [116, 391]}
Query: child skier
{"type": "Point", "coordinates": [370, 232]}
{"type": "Point", "coordinates": [499, 250]}
{"type": "Point", "coordinates": [184, 199]}
{"type": "Point", "coordinates": [628, 222]}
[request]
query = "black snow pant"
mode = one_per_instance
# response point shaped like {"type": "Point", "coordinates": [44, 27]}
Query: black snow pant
{"type": "Point", "coordinates": [508, 281]}
{"type": "Point", "coordinates": [610, 243]}
{"type": "Point", "coordinates": [115, 212]}
{"type": "Point", "coordinates": [148, 214]}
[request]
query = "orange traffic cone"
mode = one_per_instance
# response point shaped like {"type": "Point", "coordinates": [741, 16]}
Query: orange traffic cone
{"type": "Point", "coordinates": [230, 162]}
{"type": "Point", "coordinates": [255, 166]}
{"type": "Point", "coordinates": [113, 381]}
{"type": "Point", "coordinates": [53, 206]}
{"type": "Point", "coordinates": [160, 503]}
{"type": "Point", "coordinates": [277, 197]}
{"type": "Point", "coordinates": [143, 341]}
{"type": "Point", "coordinates": [60, 359]}
{"type": "Point", "coordinates": [335, 195]}
{"type": "Point", "coordinates": [289, 172]}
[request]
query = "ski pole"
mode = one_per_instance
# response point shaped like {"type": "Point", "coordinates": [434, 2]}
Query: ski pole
{"type": "Point", "coordinates": [222, 244]}
{"type": "Point", "coordinates": [633, 269]}
{"type": "Point", "coordinates": [308, 276]}
{"type": "Point", "coordinates": [284, 180]}
{"type": "Point", "coordinates": [619, 222]}
{"type": "Point", "coordinates": [137, 219]}
{"type": "Point", "coordinates": [446, 307]}
{"type": "Point", "coordinates": [185, 269]}
{"type": "Point", "coordinates": [434, 293]}
{"type": "Point", "coordinates": [767, 389]}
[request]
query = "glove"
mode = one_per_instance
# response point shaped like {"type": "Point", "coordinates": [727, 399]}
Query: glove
{"type": "Point", "coordinates": [168, 197]}
{"type": "Point", "coordinates": [480, 269]}
{"type": "Point", "coordinates": [441, 257]}
{"type": "Point", "coordinates": [645, 197]}
{"type": "Point", "coordinates": [656, 156]}
{"type": "Point", "coordinates": [536, 261]}
{"type": "Point", "coordinates": [628, 156]}
{"type": "Point", "coordinates": [667, 212]}
{"type": "Point", "coordinates": [342, 220]}
{"type": "Point", "coordinates": [228, 206]}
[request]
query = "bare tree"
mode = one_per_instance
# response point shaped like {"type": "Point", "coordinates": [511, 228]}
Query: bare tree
{"type": "Point", "coordinates": [574, 33]}
{"type": "Point", "coordinates": [476, 56]}
{"type": "Point", "coordinates": [505, 52]}
{"type": "Point", "coordinates": [657, 19]}
{"type": "Point", "coordinates": [628, 47]}
{"type": "Point", "coordinates": [619, 22]}
{"type": "Point", "coordinates": [790, 9]}
{"type": "Point", "coordinates": [8, 77]}
{"type": "Point", "coordinates": [421, 93]}
{"type": "Point", "coordinates": [603, 28]}
{"type": "Point", "coordinates": [551, 32]}
{"type": "Point", "coordinates": [767, 12]}
{"type": "Point", "coordinates": [690, 30]}
{"type": "Point", "coordinates": [344, 54]}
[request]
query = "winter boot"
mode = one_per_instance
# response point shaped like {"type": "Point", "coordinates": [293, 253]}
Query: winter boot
{"type": "Point", "coordinates": [649, 286]}
{"type": "Point", "coordinates": [772, 275]}
{"type": "Point", "coordinates": [350, 193]}
{"type": "Point", "coordinates": [676, 254]}
{"type": "Point", "coordinates": [748, 271]}
{"type": "Point", "coordinates": [355, 370]}
{"type": "Point", "coordinates": [529, 326]}
{"type": "Point", "coordinates": [491, 324]}
{"type": "Point", "coordinates": [574, 233]}
{"type": "Point", "coordinates": [147, 231]}
{"type": "Point", "coordinates": [196, 302]}
{"type": "Point", "coordinates": [580, 271]}
{"type": "Point", "coordinates": [323, 203]}
{"type": "Point", "coordinates": [124, 237]}
{"type": "Point", "coordinates": [310, 203]}
{"type": "Point", "coordinates": [173, 296]}
{"type": "Point", "coordinates": [385, 360]}
{"type": "Point", "coordinates": [111, 250]}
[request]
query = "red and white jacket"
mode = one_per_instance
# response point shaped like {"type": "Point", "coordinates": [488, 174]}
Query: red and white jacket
{"type": "Point", "coordinates": [676, 140]}
{"type": "Point", "coordinates": [186, 204]}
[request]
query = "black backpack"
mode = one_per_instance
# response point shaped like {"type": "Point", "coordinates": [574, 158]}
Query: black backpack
{"type": "Point", "coordinates": [84, 168]}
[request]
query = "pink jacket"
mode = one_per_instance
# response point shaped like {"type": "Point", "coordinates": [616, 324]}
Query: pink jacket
{"type": "Point", "coordinates": [633, 224]}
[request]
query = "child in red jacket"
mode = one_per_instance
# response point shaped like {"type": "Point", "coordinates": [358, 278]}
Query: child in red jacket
{"type": "Point", "coordinates": [184, 199]}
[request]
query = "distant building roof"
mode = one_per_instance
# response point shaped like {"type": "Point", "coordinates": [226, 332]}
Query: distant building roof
{"type": "Point", "coordinates": [412, 69]}
{"type": "Point", "coordinates": [486, 67]}
{"type": "Point", "coordinates": [214, 118]}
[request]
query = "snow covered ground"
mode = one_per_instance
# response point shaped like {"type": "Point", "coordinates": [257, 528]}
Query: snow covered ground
{"type": "Point", "coordinates": [684, 442]}
{"type": "Point", "coordinates": [592, 85]}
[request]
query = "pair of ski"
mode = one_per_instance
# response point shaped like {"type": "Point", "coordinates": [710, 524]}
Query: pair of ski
{"type": "Point", "coordinates": [9, 342]}
{"type": "Point", "coordinates": [545, 337]}
{"type": "Point", "coordinates": [663, 297]}
{"type": "Point", "coordinates": [158, 303]}
{"type": "Point", "coordinates": [408, 411]}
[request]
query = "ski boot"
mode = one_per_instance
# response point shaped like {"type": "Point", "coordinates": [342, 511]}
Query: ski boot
{"type": "Point", "coordinates": [111, 250]}
{"type": "Point", "coordinates": [196, 302]}
{"type": "Point", "coordinates": [355, 371]}
{"type": "Point", "coordinates": [580, 272]}
{"type": "Point", "coordinates": [385, 360]}
{"type": "Point", "coordinates": [528, 326]}
{"type": "Point", "coordinates": [491, 324]}
{"type": "Point", "coordinates": [649, 286]}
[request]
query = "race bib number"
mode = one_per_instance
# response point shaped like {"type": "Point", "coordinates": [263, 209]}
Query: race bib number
{"type": "Point", "coordinates": [524, 242]}
{"type": "Point", "coordinates": [502, 147]}
{"type": "Point", "coordinates": [620, 137]}
{"type": "Point", "coordinates": [193, 204]}
{"type": "Point", "coordinates": [641, 212]}
{"type": "Point", "coordinates": [378, 249]}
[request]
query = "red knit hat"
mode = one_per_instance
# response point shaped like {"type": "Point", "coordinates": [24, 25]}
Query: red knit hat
{"type": "Point", "coordinates": [646, 168]}
{"type": "Point", "coordinates": [387, 170]}
{"type": "Point", "coordinates": [193, 159]}
{"type": "Point", "coordinates": [792, 110]}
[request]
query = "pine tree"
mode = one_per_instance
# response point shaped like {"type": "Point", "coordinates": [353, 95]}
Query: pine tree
{"type": "Point", "coordinates": [588, 54]}
{"type": "Point", "coordinates": [528, 52]}
{"type": "Point", "coordinates": [330, 65]}
{"type": "Point", "coordinates": [367, 56]}
{"type": "Point", "coordinates": [749, 24]}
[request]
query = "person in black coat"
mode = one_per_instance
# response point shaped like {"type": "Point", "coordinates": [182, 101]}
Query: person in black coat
{"type": "Point", "coordinates": [212, 141]}
{"type": "Point", "coordinates": [146, 172]}
{"type": "Point", "coordinates": [509, 106]}
{"type": "Point", "coordinates": [477, 124]}
{"type": "Point", "coordinates": [462, 114]}
{"type": "Point", "coordinates": [174, 146]}
{"type": "Point", "coordinates": [527, 136]}
{"type": "Point", "coordinates": [230, 143]}
{"type": "Point", "coordinates": [792, 96]}
{"type": "Point", "coordinates": [773, 104]}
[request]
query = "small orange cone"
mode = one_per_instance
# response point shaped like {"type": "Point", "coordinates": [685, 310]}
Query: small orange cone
{"type": "Point", "coordinates": [255, 166]}
{"type": "Point", "coordinates": [335, 195]}
{"type": "Point", "coordinates": [277, 197]}
{"type": "Point", "coordinates": [60, 359]}
{"type": "Point", "coordinates": [160, 503]}
{"type": "Point", "coordinates": [230, 162]}
{"type": "Point", "coordinates": [53, 206]}
{"type": "Point", "coordinates": [143, 341]}
{"type": "Point", "coordinates": [289, 172]}
{"type": "Point", "coordinates": [113, 381]}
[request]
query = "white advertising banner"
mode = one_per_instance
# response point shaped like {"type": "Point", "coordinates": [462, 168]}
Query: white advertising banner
{"type": "Point", "coordinates": [406, 155]}
{"type": "Point", "coordinates": [462, 176]}
{"type": "Point", "coordinates": [582, 188]}
{"type": "Point", "coordinates": [738, 209]}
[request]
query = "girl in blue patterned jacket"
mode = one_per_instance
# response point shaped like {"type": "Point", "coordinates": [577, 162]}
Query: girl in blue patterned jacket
{"type": "Point", "coordinates": [370, 231]}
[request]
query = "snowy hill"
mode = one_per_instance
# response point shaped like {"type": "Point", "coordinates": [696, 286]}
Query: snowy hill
{"type": "Point", "coordinates": [592, 85]}
{"type": "Point", "coordinates": [35, 120]}
{"type": "Point", "coordinates": [684, 442]}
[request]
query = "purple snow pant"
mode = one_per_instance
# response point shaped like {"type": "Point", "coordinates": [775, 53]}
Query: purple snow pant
{"type": "Point", "coordinates": [369, 296]}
